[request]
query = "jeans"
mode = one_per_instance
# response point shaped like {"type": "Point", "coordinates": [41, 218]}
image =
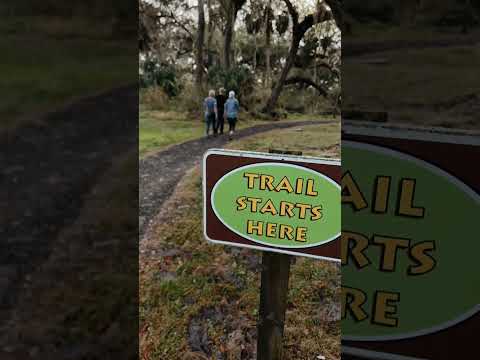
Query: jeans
{"type": "Point", "coordinates": [210, 122]}
{"type": "Point", "coordinates": [231, 123]}
{"type": "Point", "coordinates": [219, 124]}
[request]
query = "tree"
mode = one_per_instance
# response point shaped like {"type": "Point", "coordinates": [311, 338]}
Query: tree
{"type": "Point", "coordinates": [406, 11]}
{"type": "Point", "coordinates": [210, 31]}
{"type": "Point", "coordinates": [253, 24]}
{"type": "Point", "coordinates": [200, 43]}
{"type": "Point", "coordinates": [146, 15]}
{"type": "Point", "coordinates": [231, 9]}
{"type": "Point", "coordinates": [268, 43]}
{"type": "Point", "coordinates": [337, 12]}
{"type": "Point", "coordinates": [298, 31]}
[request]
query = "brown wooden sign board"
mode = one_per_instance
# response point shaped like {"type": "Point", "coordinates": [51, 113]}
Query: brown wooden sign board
{"type": "Point", "coordinates": [273, 202]}
{"type": "Point", "coordinates": [429, 308]}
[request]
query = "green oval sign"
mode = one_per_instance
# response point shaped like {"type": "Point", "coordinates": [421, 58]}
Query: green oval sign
{"type": "Point", "coordinates": [404, 246]}
{"type": "Point", "coordinates": [280, 205]}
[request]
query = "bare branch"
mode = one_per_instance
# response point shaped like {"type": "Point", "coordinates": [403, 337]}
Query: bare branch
{"type": "Point", "coordinates": [302, 80]}
{"type": "Point", "coordinates": [175, 21]}
{"type": "Point", "coordinates": [310, 20]}
{"type": "Point", "coordinates": [293, 12]}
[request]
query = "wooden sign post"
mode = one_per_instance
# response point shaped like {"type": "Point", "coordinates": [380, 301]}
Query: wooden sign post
{"type": "Point", "coordinates": [273, 300]}
{"type": "Point", "coordinates": [273, 305]}
{"type": "Point", "coordinates": [281, 204]}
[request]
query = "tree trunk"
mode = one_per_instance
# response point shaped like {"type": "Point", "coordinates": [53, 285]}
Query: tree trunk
{"type": "Point", "coordinates": [406, 12]}
{"type": "Point", "coordinates": [210, 34]}
{"type": "Point", "coordinates": [272, 102]}
{"type": "Point", "coordinates": [299, 30]}
{"type": "Point", "coordinates": [268, 46]}
{"type": "Point", "coordinates": [227, 48]}
{"type": "Point", "coordinates": [254, 52]}
{"type": "Point", "coordinates": [199, 45]}
{"type": "Point", "coordinates": [337, 12]}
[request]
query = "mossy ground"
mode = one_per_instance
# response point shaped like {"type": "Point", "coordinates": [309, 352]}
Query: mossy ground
{"type": "Point", "coordinates": [199, 300]}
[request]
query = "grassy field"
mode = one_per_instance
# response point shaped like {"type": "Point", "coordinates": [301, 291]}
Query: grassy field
{"type": "Point", "coordinates": [423, 86]}
{"type": "Point", "coordinates": [160, 129]}
{"type": "Point", "coordinates": [312, 140]}
{"type": "Point", "coordinates": [51, 62]}
{"type": "Point", "coordinates": [197, 296]}
{"type": "Point", "coordinates": [376, 32]}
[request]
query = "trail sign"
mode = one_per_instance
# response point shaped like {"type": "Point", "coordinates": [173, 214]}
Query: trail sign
{"type": "Point", "coordinates": [410, 210]}
{"type": "Point", "coordinates": [272, 202]}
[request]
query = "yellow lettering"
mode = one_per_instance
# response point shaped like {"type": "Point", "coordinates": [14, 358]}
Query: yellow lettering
{"type": "Point", "coordinates": [284, 184]}
{"type": "Point", "coordinates": [301, 234]}
{"type": "Point", "coordinates": [381, 194]}
{"type": "Point", "coordinates": [352, 301]}
{"type": "Point", "coordinates": [303, 210]}
{"type": "Point", "coordinates": [360, 245]}
{"type": "Point", "coordinates": [389, 254]}
{"type": "Point", "coordinates": [310, 188]}
{"type": "Point", "coordinates": [242, 205]}
{"type": "Point", "coordinates": [299, 186]}
{"type": "Point", "coordinates": [258, 228]}
{"type": "Point", "coordinates": [425, 262]}
{"type": "Point", "coordinates": [269, 207]}
{"type": "Point", "coordinates": [266, 181]}
{"type": "Point", "coordinates": [351, 193]}
{"type": "Point", "coordinates": [251, 179]}
{"type": "Point", "coordinates": [383, 308]}
{"type": "Point", "coordinates": [317, 212]}
{"type": "Point", "coordinates": [286, 207]}
{"type": "Point", "coordinates": [271, 229]}
{"type": "Point", "coordinates": [405, 204]}
{"type": "Point", "coordinates": [254, 203]}
{"type": "Point", "coordinates": [286, 231]}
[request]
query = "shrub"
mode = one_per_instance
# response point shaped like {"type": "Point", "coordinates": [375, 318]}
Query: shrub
{"type": "Point", "coordinates": [239, 79]}
{"type": "Point", "coordinates": [157, 74]}
{"type": "Point", "coordinates": [191, 99]}
{"type": "Point", "coordinates": [154, 98]}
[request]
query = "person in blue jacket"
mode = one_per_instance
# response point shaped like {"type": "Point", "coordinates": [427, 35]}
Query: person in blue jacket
{"type": "Point", "coordinates": [211, 112]}
{"type": "Point", "coordinates": [231, 108]}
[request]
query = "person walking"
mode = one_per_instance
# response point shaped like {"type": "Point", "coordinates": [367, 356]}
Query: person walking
{"type": "Point", "coordinates": [211, 111]}
{"type": "Point", "coordinates": [232, 106]}
{"type": "Point", "coordinates": [221, 98]}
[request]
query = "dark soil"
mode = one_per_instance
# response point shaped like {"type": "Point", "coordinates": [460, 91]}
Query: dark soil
{"type": "Point", "coordinates": [362, 48]}
{"type": "Point", "coordinates": [47, 168]}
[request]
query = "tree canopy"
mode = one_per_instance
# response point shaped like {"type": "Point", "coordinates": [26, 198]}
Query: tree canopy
{"type": "Point", "coordinates": [258, 48]}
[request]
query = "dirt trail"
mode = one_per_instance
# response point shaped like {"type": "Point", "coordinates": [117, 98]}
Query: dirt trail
{"type": "Point", "coordinates": [352, 49]}
{"type": "Point", "coordinates": [46, 170]}
{"type": "Point", "coordinates": [159, 173]}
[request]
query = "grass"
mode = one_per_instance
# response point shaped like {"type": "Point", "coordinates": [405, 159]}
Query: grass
{"type": "Point", "coordinates": [160, 129]}
{"type": "Point", "coordinates": [376, 32]}
{"type": "Point", "coordinates": [418, 83]}
{"type": "Point", "coordinates": [51, 62]}
{"type": "Point", "coordinates": [184, 280]}
{"type": "Point", "coordinates": [311, 140]}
